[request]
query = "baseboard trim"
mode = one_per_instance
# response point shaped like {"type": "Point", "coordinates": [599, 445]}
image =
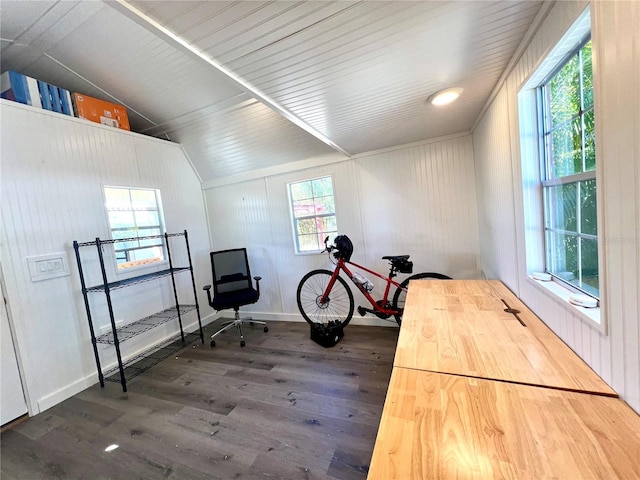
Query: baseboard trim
{"type": "Point", "coordinates": [370, 321]}
{"type": "Point", "coordinates": [68, 391]}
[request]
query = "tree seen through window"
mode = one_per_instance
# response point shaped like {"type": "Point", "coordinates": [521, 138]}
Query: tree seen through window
{"type": "Point", "coordinates": [571, 231]}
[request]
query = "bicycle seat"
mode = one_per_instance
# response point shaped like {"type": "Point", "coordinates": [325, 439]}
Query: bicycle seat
{"type": "Point", "coordinates": [400, 263]}
{"type": "Point", "coordinates": [396, 258]}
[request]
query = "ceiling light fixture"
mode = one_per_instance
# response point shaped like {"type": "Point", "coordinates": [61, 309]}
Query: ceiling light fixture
{"type": "Point", "coordinates": [444, 97]}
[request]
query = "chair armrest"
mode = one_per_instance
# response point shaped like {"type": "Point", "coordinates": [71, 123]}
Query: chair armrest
{"type": "Point", "coordinates": [207, 288]}
{"type": "Point", "coordinates": [257, 279]}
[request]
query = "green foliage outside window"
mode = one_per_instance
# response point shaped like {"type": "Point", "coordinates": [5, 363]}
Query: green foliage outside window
{"type": "Point", "coordinates": [570, 180]}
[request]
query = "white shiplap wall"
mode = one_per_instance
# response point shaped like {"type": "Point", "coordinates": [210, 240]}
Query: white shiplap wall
{"type": "Point", "coordinates": [416, 199]}
{"type": "Point", "coordinates": [613, 354]}
{"type": "Point", "coordinates": [53, 170]}
{"type": "Point", "coordinates": [495, 187]}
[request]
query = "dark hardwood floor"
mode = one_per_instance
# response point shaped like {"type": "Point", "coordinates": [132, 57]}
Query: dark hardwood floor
{"type": "Point", "coordinates": [282, 407]}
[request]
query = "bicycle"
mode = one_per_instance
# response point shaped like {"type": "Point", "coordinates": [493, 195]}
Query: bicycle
{"type": "Point", "coordinates": [325, 297]}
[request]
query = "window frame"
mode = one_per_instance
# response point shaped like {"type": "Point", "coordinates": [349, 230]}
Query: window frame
{"type": "Point", "coordinates": [530, 152]}
{"type": "Point", "coordinates": [295, 220]}
{"type": "Point", "coordinates": [549, 179]}
{"type": "Point", "coordinates": [141, 264]}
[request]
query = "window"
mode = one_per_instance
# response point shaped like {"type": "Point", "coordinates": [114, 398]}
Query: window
{"type": "Point", "coordinates": [314, 213]}
{"type": "Point", "coordinates": [569, 175]}
{"type": "Point", "coordinates": [135, 213]}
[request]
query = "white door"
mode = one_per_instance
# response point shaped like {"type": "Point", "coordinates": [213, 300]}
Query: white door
{"type": "Point", "coordinates": [12, 402]}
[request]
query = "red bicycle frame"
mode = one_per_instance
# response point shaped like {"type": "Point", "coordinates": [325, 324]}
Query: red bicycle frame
{"type": "Point", "coordinates": [380, 306]}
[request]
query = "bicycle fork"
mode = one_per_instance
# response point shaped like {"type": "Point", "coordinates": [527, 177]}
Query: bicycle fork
{"type": "Point", "coordinates": [324, 298]}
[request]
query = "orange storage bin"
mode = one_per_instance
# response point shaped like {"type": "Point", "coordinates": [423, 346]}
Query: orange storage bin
{"type": "Point", "coordinates": [100, 111]}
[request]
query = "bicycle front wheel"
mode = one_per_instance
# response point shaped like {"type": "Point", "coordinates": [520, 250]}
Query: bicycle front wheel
{"type": "Point", "coordinates": [337, 307]}
{"type": "Point", "coordinates": [400, 296]}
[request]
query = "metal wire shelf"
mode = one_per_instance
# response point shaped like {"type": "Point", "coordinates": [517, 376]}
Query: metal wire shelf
{"type": "Point", "coordinates": [144, 324]}
{"type": "Point", "coordinates": [138, 279]}
{"type": "Point", "coordinates": [154, 353]}
{"type": "Point", "coordinates": [130, 239]}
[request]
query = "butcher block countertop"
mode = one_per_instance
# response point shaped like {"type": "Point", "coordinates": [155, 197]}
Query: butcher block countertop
{"type": "Point", "coordinates": [441, 426]}
{"type": "Point", "coordinates": [478, 392]}
{"type": "Point", "coordinates": [461, 327]}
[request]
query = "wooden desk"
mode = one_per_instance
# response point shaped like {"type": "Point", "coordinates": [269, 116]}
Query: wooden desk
{"type": "Point", "coordinates": [440, 426]}
{"type": "Point", "coordinates": [460, 327]}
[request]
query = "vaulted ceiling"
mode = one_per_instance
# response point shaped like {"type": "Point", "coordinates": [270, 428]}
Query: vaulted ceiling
{"type": "Point", "coordinates": [246, 85]}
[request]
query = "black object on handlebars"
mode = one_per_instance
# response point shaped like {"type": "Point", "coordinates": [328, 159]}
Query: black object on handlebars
{"type": "Point", "coordinates": [344, 247]}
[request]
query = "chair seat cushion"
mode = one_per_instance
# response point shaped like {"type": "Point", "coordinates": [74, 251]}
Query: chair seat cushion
{"type": "Point", "coordinates": [234, 299]}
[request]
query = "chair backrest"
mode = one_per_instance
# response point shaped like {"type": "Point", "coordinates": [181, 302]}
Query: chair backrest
{"type": "Point", "coordinates": [230, 269]}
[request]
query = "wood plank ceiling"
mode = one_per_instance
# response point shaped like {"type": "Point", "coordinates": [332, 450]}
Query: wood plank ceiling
{"type": "Point", "coordinates": [247, 85]}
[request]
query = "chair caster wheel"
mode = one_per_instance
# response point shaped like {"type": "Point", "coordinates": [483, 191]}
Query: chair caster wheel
{"type": "Point", "coordinates": [213, 343]}
{"type": "Point", "coordinates": [266, 329]}
{"type": "Point", "coordinates": [242, 343]}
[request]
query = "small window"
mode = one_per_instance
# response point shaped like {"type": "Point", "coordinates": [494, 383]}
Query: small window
{"type": "Point", "coordinates": [314, 213]}
{"type": "Point", "coordinates": [569, 173]}
{"type": "Point", "coordinates": [134, 213]}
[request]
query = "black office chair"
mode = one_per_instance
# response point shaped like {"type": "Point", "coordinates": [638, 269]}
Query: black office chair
{"type": "Point", "coordinates": [232, 288]}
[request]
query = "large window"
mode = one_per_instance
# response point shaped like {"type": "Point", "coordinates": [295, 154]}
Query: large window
{"type": "Point", "coordinates": [135, 213]}
{"type": "Point", "coordinates": [569, 175]}
{"type": "Point", "coordinates": [314, 213]}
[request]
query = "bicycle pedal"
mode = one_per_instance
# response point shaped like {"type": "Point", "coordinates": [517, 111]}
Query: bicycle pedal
{"type": "Point", "coordinates": [362, 311]}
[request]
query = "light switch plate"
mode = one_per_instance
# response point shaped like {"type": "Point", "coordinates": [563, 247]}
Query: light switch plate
{"type": "Point", "coordinates": [44, 267]}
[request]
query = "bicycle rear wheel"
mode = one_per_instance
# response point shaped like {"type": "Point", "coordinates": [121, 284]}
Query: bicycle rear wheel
{"type": "Point", "coordinates": [401, 293]}
{"type": "Point", "coordinates": [338, 305]}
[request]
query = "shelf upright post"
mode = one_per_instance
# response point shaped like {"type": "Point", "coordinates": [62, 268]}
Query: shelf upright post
{"type": "Point", "coordinates": [76, 247]}
{"type": "Point", "coordinates": [107, 292]}
{"type": "Point", "coordinates": [193, 282]}
{"type": "Point", "coordinates": [173, 281]}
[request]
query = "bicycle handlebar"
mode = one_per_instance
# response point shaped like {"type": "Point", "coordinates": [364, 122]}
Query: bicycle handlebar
{"type": "Point", "coordinates": [327, 248]}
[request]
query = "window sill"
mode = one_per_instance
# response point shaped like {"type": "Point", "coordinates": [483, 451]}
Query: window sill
{"type": "Point", "coordinates": [309, 252]}
{"type": "Point", "coordinates": [141, 267]}
{"type": "Point", "coordinates": [560, 295]}
{"type": "Point", "coordinates": [138, 263]}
